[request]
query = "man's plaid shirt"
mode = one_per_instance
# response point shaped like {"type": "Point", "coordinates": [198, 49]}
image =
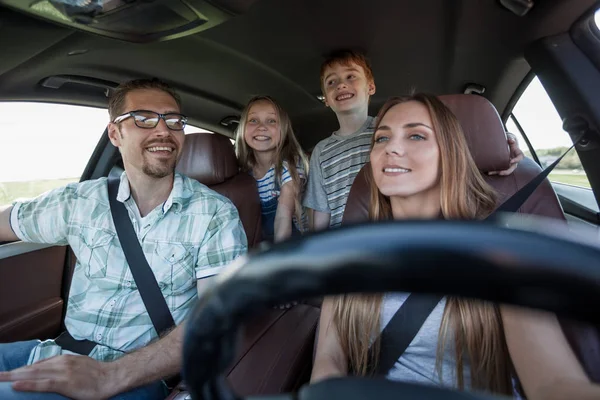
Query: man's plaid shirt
{"type": "Point", "coordinates": [193, 235]}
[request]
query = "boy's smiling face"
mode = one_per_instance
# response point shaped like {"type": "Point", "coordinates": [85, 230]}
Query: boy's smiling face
{"type": "Point", "coordinates": [346, 88]}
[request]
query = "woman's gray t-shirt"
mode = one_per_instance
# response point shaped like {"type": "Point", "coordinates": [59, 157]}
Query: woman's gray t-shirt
{"type": "Point", "coordinates": [418, 363]}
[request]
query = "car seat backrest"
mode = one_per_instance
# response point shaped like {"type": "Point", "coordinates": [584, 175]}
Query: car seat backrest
{"type": "Point", "coordinates": [486, 138]}
{"type": "Point", "coordinates": [210, 159]}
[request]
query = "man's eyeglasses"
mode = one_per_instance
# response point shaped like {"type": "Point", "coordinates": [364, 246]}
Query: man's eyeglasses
{"type": "Point", "coordinates": [149, 119]}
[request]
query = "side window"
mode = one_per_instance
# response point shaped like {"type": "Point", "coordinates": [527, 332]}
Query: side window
{"type": "Point", "coordinates": [44, 146]}
{"type": "Point", "coordinates": [545, 139]}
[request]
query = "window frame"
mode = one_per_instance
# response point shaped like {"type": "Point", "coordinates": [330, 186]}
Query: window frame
{"type": "Point", "coordinates": [508, 114]}
{"type": "Point", "coordinates": [578, 202]}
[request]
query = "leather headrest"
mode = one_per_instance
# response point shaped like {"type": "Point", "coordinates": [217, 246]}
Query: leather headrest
{"type": "Point", "coordinates": [208, 158]}
{"type": "Point", "coordinates": [483, 129]}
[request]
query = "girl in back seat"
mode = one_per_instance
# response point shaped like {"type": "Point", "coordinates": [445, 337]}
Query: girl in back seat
{"type": "Point", "coordinates": [421, 168]}
{"type": "Point", "coordinates": [268, 149]}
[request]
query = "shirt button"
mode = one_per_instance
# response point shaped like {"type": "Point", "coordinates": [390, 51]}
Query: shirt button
{"type": "Point", "coordinates": [128, 283]}
{"type": "Point", "coordinates": [98, 337]}
{"type": "Point", "coordinates": [172, 259]}
{"type": "Point", "coordinates": [113, 302]}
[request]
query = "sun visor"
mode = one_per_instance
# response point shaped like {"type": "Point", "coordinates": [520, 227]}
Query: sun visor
{"type": "Point", "coordinates": [139, 21]}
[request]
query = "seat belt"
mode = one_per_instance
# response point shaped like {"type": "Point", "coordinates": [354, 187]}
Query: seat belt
{"type": "Point", "coordinates": [144, 278]}
{"type": "Point", "coordinates": [412, 314]}
{"type": "Point", "coordinates": [403, 327]}
{"type": "Point", "coordinates": [515, 201]}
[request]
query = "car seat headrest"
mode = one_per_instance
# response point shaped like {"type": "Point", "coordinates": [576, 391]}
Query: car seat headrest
{"type": "Point", "coordinates": [208, 158]}
{"type": "Point", "coordinates": [483, 129]}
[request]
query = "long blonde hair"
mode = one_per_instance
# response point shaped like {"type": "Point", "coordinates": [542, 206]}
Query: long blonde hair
{"type": "Point", "coordinates": [475, 326]}
{"type": "Point", "coordinates": [288, 150]}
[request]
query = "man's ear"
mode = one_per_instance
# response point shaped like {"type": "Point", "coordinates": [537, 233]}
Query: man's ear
{"type": "Point", "coordinates": [372, 88]}
{"type": "Point", "coordinates": [114, 134]}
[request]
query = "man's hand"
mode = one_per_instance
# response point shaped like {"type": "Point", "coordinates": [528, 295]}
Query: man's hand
{"type": "Point", "coordinates": [77, 377]}
{"type": "Point", "coordinates": [516, 155]}
{"type": "Point", "coordinates": [81, 377]}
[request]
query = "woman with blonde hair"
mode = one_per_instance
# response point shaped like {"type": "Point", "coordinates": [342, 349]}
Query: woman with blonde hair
{"type": "Point", "coordinates": [421, 168]}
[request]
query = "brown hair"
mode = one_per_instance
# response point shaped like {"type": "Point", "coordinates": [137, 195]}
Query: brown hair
{"type": "Point", "coordinates": [345, 57]}
{"type": "Point", "coordinates": [116, 101]}
{"type": "Point", "coordinates": [476, 326]}
{"type": "Point", "coordinates": [288, 150]}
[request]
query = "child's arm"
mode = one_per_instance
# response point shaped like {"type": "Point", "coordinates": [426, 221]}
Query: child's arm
{"type": "Point", "coordinates": [320, 220]}
{"type": "Point", "coordinates": [285, 212]}
{"type": "Point", "coordinates": [315, 197]}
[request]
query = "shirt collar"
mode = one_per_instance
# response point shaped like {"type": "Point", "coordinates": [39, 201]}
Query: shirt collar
{"type": "Point", "coordinates": [368, 125]}
{"type": "Point", "coordinates": [177, 197]}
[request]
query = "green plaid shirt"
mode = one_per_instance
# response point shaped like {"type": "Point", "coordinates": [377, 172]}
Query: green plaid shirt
{"type": "Point", "coordinates": [193, 235]}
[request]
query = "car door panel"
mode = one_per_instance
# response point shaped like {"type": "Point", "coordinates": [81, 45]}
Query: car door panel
{"type": "Point", "coordinates": [31, 303]}
{"type": "Point", "coordinates": [578, 202]}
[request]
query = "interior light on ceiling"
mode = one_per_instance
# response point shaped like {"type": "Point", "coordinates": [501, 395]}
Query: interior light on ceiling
{"type": "Point", "coordinates": [135, 21]}
{"type": "Point", "coordinates": [84, 11]}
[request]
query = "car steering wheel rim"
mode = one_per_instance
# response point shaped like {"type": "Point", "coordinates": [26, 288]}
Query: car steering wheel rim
{"type": "Point", "coordinates": [510, 266]}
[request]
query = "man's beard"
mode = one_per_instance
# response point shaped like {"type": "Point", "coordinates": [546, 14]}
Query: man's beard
{"type": "Point", "coordinates": [163, 168]}
{"type": "Point", "coordinates": [159, 171]}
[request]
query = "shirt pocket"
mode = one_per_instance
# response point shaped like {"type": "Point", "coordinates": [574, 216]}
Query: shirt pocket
{"type": "Point", "coordinates": [93, 253]}
{"type": "Point", "coordinates": [178, 273]}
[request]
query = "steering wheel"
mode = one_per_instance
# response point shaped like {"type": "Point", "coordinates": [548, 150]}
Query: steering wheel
{"type": "Point", "coordinates": [510, 266]}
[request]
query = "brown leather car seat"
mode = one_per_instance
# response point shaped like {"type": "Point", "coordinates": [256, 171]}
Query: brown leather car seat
{"type": "Point", "coordinates": [275, 354]}
{"type": "Point", "coordinates": [210, 159]}
{"type": "Point", "coordinates": [486, 137]}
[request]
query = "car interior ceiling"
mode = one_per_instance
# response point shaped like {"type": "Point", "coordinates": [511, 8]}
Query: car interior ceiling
{"type": "Point", "coordinates": [276, 47]}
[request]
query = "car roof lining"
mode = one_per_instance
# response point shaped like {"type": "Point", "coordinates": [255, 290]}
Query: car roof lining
{"type": "Point", "coordinates": [276, 48]}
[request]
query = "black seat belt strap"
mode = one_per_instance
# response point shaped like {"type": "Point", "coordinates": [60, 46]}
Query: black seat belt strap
{"type": "Point", "coordinates": [144, 278]}
{"type": "Point", "coordinates": [516, 200]}
{"type": "Point", "coordinates": [68, 342]}
{"type": "Point", "coordinates": [403, 327]}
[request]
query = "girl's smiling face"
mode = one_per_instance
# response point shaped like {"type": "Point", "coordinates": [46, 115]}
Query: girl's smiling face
{"type": "Point", "coordinates": [263, 129]}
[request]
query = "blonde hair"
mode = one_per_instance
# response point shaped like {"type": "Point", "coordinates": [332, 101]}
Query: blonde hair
{"type": "Point", "coordinates": [288, 150]}
{"type": "Point", "coordinates": [476, 326]}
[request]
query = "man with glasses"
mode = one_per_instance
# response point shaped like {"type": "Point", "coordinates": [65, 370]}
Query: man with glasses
{"type": "Point", "coordinates": [187, 233]}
